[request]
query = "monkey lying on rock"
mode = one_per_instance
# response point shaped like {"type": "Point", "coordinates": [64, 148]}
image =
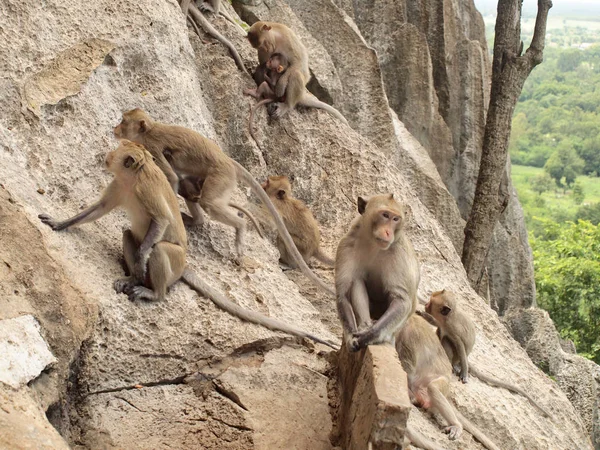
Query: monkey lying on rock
{"type": "Point", "coordinates": [299, 221]}
{"type": "Point", "coordinates": [456, 332]}
{"type": "Point", "coordinates": [376, 274]}
{"type": "Point", "coordinates": [181, 152]}
{"type": "Point", "coordinates": [155, 247]}
{"type": "Point", "coordinates": [270, 38]}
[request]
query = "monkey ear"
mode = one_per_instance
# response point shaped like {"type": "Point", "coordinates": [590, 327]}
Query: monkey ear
{"type": "Point", "coordinates": [265, 27]}
{"type": "Point", "coordinates": [362, 205]}
{"type": "Point", "coordinates": [142, 125]}
{"type": "Point", "coordinates": [280, 194]}
{"type": "Point", "coordinates": [129, 161]}
{"type": "Point", "coordinates": [445, 310]}
{"type": "Point", "coordinates": [279, 68]}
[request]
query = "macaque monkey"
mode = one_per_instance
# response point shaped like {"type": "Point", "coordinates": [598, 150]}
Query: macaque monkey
{"type": "Point", "coordinates": [269, 38]}
{"type": "Point", "coordinates": [265, 92]}
{"type": "Point", "coordinates": [155, 246]}
{"type": "Point", "coordinates": [429, 371]}
{"type": "Point", "coordinates": [193, 14]}
{"type": "Point", "coordinates": [299, 221]}
{"type": "Point", "coordinates": [191, 154]}
{"type": "Point", "coordinates": [456, 332]}
{"type": "Point", "coordinates": [190, 188]}
{"type": "Point", "coordinates": [376, 274]}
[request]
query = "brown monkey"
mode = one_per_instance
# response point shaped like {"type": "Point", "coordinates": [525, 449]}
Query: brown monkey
{"type": "Point", "coordinates": [265, 92]}
{"type": "Point", "coordinates": [376, 274]}
{"type": "Point", "coordinates": [299, 221]}
{"type": "Point", "coordinates": [428, 371]}
{"type": "Point", "coordinates": [191, 154]}
{"type": "Point", "coordinates": [191, 11]}
{"type": "Point", "coordinates": [190, 188]}
{"type": "Point", "coordinates": [156, 245]}
{"type": "Point", "coordinates": [271, 37]}
{"type": "Point", "coordinates": [456, 332]}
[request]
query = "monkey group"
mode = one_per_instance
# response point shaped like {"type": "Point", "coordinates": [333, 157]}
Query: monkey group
{"type": "Point", "coordinates": [376, 269]}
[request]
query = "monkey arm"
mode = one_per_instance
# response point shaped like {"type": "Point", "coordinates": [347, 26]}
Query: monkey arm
{"type": "Point", "coordinates": [164, 165]}
{"type": "Point", "coordinates": [464, 361]}
{"type": "Point", "coordinates": [428, 317]}
{"type": "Point", "coordinates": [343, 287]}
{"type": "Point", "coordinates": [153, 236]}
{"type": "Point", "coordinates": [107, 203]}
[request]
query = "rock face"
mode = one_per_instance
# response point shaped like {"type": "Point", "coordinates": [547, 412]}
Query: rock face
{"type": "Point", "coordinates": [182, 373]}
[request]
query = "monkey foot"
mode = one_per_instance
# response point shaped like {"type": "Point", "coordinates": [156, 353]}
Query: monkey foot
{"type": "Point", "coordinates": [48, 220]}
{"type": "Point", "coordinates": [281, 110]}
{"type": "Point", "coordinates": [251, 92]}
{"type": "Point", "coordinates": [453, 432]}
{"type": "Point", "coordinates": [141, 293]}
{"type": "Point", "coordinates": [464, 378]}
{"type": "Point", "coordinates": [189, 221]}
{"type": "Point", "coordinates": [123, 285]}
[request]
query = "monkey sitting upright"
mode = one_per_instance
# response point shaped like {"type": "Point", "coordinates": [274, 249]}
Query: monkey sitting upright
{"type": "Point", "coordinates": [376, 274]}
{"type": "Point", "coordinates": [270, 38]}
{"type": "Point", "coordinates": [456, 332]}
{"type": "Point", "coordinates": [155, 247]}
{"type": "Point", "coordinates": [428, 371]}
{"type": "Point", "coordinates": [299, 221]}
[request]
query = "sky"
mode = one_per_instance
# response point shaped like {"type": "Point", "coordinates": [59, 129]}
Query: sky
{"type": "Point", "coordinates": [563, 7]}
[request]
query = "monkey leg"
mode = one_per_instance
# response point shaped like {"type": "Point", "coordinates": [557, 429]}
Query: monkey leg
{"type": "Point", "coordinates": [360, 305]}
{"type": "Point", "coordinates": [197, 214]}
{"type": "Point", "coordinates": [165, 267]}
{"type": "Point", "coordinates": [436, 390]}
{"type": "Point", "coordinates": [284, 256]}
{"type": "Point", "coordinates": [262, 91]}
{"type": "Point", "coordinates": [130, 248]}
{"type": "Point", "coordinates": [291, 85]}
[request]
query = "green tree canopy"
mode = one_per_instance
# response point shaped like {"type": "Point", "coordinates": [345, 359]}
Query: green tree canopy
{"type": "Point", "coordinates": [565, 164]}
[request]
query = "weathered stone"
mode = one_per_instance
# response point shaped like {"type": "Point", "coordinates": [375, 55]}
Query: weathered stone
{"type": "Point", "coordinates": [374, 405]}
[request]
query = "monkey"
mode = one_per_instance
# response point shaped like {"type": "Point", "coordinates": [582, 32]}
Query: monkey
{"type": "Point", "coordinates": [376, 273]}
{"type": "Point", "coordinates": [191, 154]}
{"type": "Point", "coordinates": [299, 221]}
{"type": "Point", "coordinates": [265, 92]}
{"type": "Point", "coordinates": [155, 246]}
{"type": "Point", "coordinates": [428, 371]}
{"type": "Point", "coordinates": [190, 188]}
{"type": "Point", "coordinates": [271, 37]}
{"type": "Point", "coordinates": [193, 14]}
{"type": "Point", "coordinates": [456, 332]}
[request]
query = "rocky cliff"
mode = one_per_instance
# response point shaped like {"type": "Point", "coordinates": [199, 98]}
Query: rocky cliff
{"type": "Point", "coordinates": [182, 373]}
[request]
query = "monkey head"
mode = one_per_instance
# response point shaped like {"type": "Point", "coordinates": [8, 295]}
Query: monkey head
{"type": "Point", "coordinates": [278, 187]}
{"type": "Point", "coordinates": [260, 37]}
{"type": "Point", "coordinates": [133, 126]}
{"type": "Point", "coordinates": [440, 305]}
{"type": "Point", "coordinates": [384, 217]}
{"type": "Point", "coordinates": [128, 156]}
{"type": "Point", "coordinates": [278, 63]}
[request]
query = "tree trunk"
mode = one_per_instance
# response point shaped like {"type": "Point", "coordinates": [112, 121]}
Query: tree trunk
{"type": "Point", "coordinates": [510, 69]}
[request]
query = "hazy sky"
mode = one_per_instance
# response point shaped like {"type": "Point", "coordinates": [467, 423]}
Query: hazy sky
{"type": "Point", "coordinates": [560, 6]}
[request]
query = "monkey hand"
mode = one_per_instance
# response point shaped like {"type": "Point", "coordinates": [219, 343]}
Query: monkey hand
{"type": "Point", "coordinates": [359, 340]}
{"type": "Point", "coordinates": [453, 431]}
{"type": "Point", "coordinates": [54, 224]}
{"type": "Point", "coordinates": [281, 110]}
{"type": "Point", "coordinates": [464, 377]}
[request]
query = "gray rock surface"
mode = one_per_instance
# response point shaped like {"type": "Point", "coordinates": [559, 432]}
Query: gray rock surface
{"type": "Point", "coordinates": [183, 373]}
{"type": "Point", "coordinates": [24, 352]}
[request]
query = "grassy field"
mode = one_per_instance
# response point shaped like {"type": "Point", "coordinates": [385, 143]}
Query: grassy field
{"type": "Point", "coordinates": [556, 204]}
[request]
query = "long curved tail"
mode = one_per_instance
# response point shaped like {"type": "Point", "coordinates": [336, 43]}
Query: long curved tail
{"type": "Point", "coordinates": [313, 102]}
{"type": "Point", "coordinates": [224, 303]}
{"type": "Point", "coordinates": [230, 19]}
{"type": "Point", "coordinates": [508, 386]}
{"type": "Point", "coordinates": [283, 232]}
{"type": "Point", "coordinates": [250, 216]}
{"type": "Point", "coordinates": [205, 24]}
{"type": "Point", "coordinates": [324, 258]}
{"type": "Point", "coordinates": [476, 432]}
{"type": "Point", "coordinates": [250, 120]}
{"type": "Point", "coordinates": [419, 440]}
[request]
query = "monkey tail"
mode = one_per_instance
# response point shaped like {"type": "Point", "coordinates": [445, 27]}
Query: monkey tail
{"type": "Point", "coordinates": [250, 127]}
{"type": "Point", "coordinates": [477, 434]}
{"type": "Point", "coordinates": [205, 24]}
{"type": "Point", "coordinates": [287, 239]}
{"type": "Point", "coordinates": [509, 387]}
{"type": "Point", "coordinates": [324, 258]}
{"type": "Point", "coordinates": [419, 440]}
{"type": "Point", "coordinates": [313, 102]}
{"type": "Point", "coordinates": [230, 19]}
{"type": "Point", "coordinates": [224, 303]}
{"type": "Point", "coordinates": [250, 216]}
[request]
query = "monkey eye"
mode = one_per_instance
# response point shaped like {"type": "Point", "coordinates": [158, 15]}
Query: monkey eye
{"type": "Point", "coordinates": [386, 215]}
{"type": "Point", "coordinates": [396, 219]}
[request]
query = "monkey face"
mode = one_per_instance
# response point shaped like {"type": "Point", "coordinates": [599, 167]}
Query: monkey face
{"type": "Point", "coordinates": [128, 155]}
{"type": "Point", "coordinates": [133, 124]}
{"type": "Point", "coordinates": [385, 223]}
{"type": "Point", "coordinates": [258, 34]}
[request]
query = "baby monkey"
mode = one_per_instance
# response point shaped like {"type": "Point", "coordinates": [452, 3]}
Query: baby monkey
{"type": "Point", "coordinates": [299, 221]}
{"type": "Point", "coordinates": [456, 332]}
{"type": "Point", "coordinates": [276, 65]}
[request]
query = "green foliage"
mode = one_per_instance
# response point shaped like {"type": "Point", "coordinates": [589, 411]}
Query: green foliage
{"type": "Point", "coordinates": [565, 164]}
{"type": "Point", "coordinates": [567, 276]}
{"type": "Point", "coordinates": [578, 194]}
{"type": "Point", "coordinates": [591, 213]}
{"type": "Point", "coordinates": [541, 183]}
{"type": "Point", "coordinates": [560, 106]}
